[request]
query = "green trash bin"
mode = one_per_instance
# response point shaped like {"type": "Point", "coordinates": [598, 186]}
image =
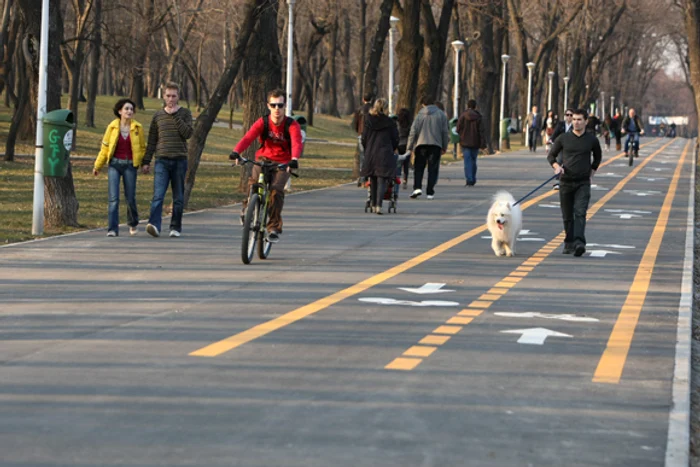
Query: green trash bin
{"type": "Point", "coordinates": [505, 123]}
{"type": "Point", "coordinates": [454, 136]}
{"type": "Point", "coordinates": [301, 120]}
{"type": "Point", "coordinates": [58, 139]}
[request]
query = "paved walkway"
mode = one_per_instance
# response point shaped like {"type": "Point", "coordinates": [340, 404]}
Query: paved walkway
{"type": "Point", "coordinates": [395, 340]}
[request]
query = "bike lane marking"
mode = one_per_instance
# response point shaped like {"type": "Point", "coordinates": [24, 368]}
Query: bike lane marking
{"type": "Point", "coordinates": [410, 359]}
{"type": "Point", "coordinates": [260, 330]}
{"type": "Point", "coordinates": [612, 362]}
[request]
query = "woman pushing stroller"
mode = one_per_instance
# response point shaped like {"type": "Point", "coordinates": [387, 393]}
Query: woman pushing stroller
{"type": "Point", "coordinates": [380, 138]}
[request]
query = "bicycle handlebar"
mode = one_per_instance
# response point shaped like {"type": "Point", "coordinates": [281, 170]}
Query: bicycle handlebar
{"type": "Point", "coordinates": [265, 164]}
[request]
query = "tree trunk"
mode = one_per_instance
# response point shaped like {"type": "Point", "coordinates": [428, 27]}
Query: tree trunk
{"type": "Point", "coordinates": [434, 52]}
{"type": "Point", "coordinates": [347, 74]}
{"type": "Point", "coordinates": [206, 118]}
{"type": "Point", "coordinates": [262, 71]}
{"type": "Point", "coordinates": [94, 74]}
{"type": "Point", "coordinates": [333, 49]}
{"type": "Point", "coordinates": [409, 51]}
{"type": "Point", "coordinates": [363, 49]}
{"type": "Point", "coordinates": [142, 43]}
{"type": "Point", "coordinates": [375, 55]}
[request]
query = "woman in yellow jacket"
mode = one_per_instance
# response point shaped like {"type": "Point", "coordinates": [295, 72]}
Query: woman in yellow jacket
{"type": "Point", "coordinates": [123, 148]}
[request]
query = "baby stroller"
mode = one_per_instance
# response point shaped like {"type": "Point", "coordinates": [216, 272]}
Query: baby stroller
{"type": "Point", "coordinates": [392, 188]}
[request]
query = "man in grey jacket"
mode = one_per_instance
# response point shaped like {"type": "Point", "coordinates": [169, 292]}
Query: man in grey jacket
{"type": "Point", "coordinates": [430, 137]}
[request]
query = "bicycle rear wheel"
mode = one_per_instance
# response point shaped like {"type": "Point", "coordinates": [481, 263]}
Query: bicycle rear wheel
{"type": "Point", "coordinates": [251, 226]}
{"type": "Point", "coordinates": [630, 156]}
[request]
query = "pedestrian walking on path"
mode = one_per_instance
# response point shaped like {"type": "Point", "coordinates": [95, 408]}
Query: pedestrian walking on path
{"type": "Point", "coordinates": [581, 156]}
{"type": "Point", "coordinates": [404, 120]}
{"type": "Point", "coordinates": [430, 137]}
{"type": "Point", "coordinates": [472, 137]}
{"type": "Point", "coordinates": [170, 129]}
{"type": "Point", "coordinates": [381, 140]}
{"type": "Point", "coordinates": [123, 148]}
{"type": "Point", "coordinates": [533, 123]}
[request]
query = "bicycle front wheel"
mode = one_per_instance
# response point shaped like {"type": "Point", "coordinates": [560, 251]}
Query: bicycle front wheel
{"type": "Point", "coordinates": [264, 246]}
{"type": "Point", "coordinates": [251, 226]}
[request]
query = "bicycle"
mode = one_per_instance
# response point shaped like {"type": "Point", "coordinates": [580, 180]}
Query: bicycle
{"type": "Point", "coordinates": [632, 149]}
{"type": "Point", "coordinates": [257, 212]}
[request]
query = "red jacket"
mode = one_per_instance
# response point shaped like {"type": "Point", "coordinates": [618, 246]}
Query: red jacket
{"type": "Point", "coordinates": [274, 147]}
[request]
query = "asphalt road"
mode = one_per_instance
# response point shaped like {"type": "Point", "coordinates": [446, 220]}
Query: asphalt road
{"type": "Point", "coordinates": [135, 351]}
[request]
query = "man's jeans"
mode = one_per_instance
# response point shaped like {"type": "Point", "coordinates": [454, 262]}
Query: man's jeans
{"type": "Point", "coordinates": [172, 172]}
{"type": "Point", "coordinates": [429, 155]}
{"type": "Point", "coordinates": [633, 137]}
{"type": "Point", "coordinates": [470, 155]}
{"type": "Point", "coordinates": [117, 171]}
{"type": "Point", "coordinates": [574, 198]}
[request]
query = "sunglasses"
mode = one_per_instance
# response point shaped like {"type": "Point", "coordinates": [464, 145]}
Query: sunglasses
{"type": "Point", "coordinates": [568, 115]}
{"type": "Point", "coordinates": [276, 105]}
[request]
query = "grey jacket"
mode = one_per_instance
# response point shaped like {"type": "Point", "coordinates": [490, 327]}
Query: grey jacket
{"type": "Point", "coordinates": [429, 129]}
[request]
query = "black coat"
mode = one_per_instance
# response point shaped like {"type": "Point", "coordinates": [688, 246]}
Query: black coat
{"type": "Point", "coordinates": [380, 139]}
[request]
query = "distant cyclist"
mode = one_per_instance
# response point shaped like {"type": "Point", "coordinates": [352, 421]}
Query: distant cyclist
{"type": "Point", "coordinates": [280, 142]}
{"type": "Point", "coordinates": [632, 125]}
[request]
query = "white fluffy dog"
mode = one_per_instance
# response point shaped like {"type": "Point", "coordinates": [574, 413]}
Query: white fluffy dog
{"type": "Point", "coordinates": [504, 222]}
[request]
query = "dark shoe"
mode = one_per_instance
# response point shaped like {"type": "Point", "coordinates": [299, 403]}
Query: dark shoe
{"type": "Point", "coordinates": [580, 249]}
{"type": "Point", "coordinates": [273, 236]}
{"type": "Point", "coordinates": [568, 249]}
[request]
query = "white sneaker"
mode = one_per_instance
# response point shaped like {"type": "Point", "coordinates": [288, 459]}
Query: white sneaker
{"type": "Point", "coordinates": [152, 230]}
{"type": "Point", "coordinates": [416, 193]}
{"type": "Point", "coordinates": [111, 233]}
{"type": "Point", "coordinates": [431, 196]}
{"type": "Point", "coordinates": [134, 230]}
{"type": "Point", "coordinates": [174, 233]}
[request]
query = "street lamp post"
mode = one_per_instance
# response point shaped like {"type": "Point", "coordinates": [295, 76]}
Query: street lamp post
{"type": "Point", "coordinates": [550, 74]}
{"type": "Point", "coordinates": [38, 206]}
{"type": "Point", "coordinates": [290, 57]}
{"type": "Point", "coordinates": [504, 59]}
{"type": "Point", "coordinates": [457, 46]}
{"type": "Point", "coordinates": [392, 21]}
{"type": "Point", "coordinates": [566, 93]}
{"type": "Point", "coordinates": [602, 104]}
{"type": "Point", "coordinates": [612, 105]}
{"type": "Point", "coordinates": [530, 66]}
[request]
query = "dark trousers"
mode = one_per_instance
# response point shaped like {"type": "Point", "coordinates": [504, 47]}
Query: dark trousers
{"type": "Point", "coordinates": [430, 156]}
{"type": "Point", "coordinates": [574, 198]}
{"type": "Point", "coordinates": [534, 134]}
{"type": "Point", "coordinates": [377, 188]}
{"type": "Point", "coordinates": [279, 180]}
{"type": "Point", "coordinates": [168, 172]}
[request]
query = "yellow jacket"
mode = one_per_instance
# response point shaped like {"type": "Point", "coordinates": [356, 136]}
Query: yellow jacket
{"type": "Point", "coordinates": [109, 143]}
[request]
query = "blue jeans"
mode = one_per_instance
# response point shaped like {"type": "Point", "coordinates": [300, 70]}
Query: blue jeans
{"type": "Point", "coordinates": [632, 137]}
{"type": "Point", "coordinates": [470, 155]}
{"type": "Point", "coordinates": [172, 172]}
{"type": "Point", "coordinates": [121, 171]}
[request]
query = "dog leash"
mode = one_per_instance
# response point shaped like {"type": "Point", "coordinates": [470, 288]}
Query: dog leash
{"type": "Point", "coordinates": [530, 194]}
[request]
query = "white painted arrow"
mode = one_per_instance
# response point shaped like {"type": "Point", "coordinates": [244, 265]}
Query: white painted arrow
{"type": "Point", "coordinates": [651, 179]}
{"type": "Point", "coordinates": [535, 336]}
{"type": "Point", "coordinates": [635, 211]}
{"type": "Point", "coordinates": [626, 216]}
{"type": "Point", "coordinates": [612, 245]}
{"type": "Point", "coordinates": [391, 301]}
{"type": "Point", "coordinates": [430, 287]}
{"type": "Point", "coordinates": [535, 314]}
{"type": "Point", "coordinates": [609, 174]}
{"type": "Point", "coordinates": [599, 188]}
{"type": "Point", "coordinates": [602, 253]}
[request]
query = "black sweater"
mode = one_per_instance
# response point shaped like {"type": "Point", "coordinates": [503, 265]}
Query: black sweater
{"type": "Point", "coordinates": [576, 155]}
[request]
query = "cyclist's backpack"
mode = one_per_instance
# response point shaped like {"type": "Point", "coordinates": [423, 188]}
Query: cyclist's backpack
{"type": "Point", "coordinates": [266, 129]}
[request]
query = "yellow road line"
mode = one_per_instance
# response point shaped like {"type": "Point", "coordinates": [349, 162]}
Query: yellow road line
{"type": "Point", "coordinates": [230, 343]}
{"type": "Point", "coordinates": [541, 254]}
{"type": "Point", "coordinates": [612, 362]}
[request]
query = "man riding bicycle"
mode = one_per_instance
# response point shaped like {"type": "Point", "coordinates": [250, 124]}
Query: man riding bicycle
{"type": "Point", "coordinates": [280, 142]}
{"type": "Point", "coordinates": [632, 125]}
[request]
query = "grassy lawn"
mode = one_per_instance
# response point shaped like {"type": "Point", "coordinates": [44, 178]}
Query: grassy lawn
{"type": "Point", "coordinates": [216, 185]}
